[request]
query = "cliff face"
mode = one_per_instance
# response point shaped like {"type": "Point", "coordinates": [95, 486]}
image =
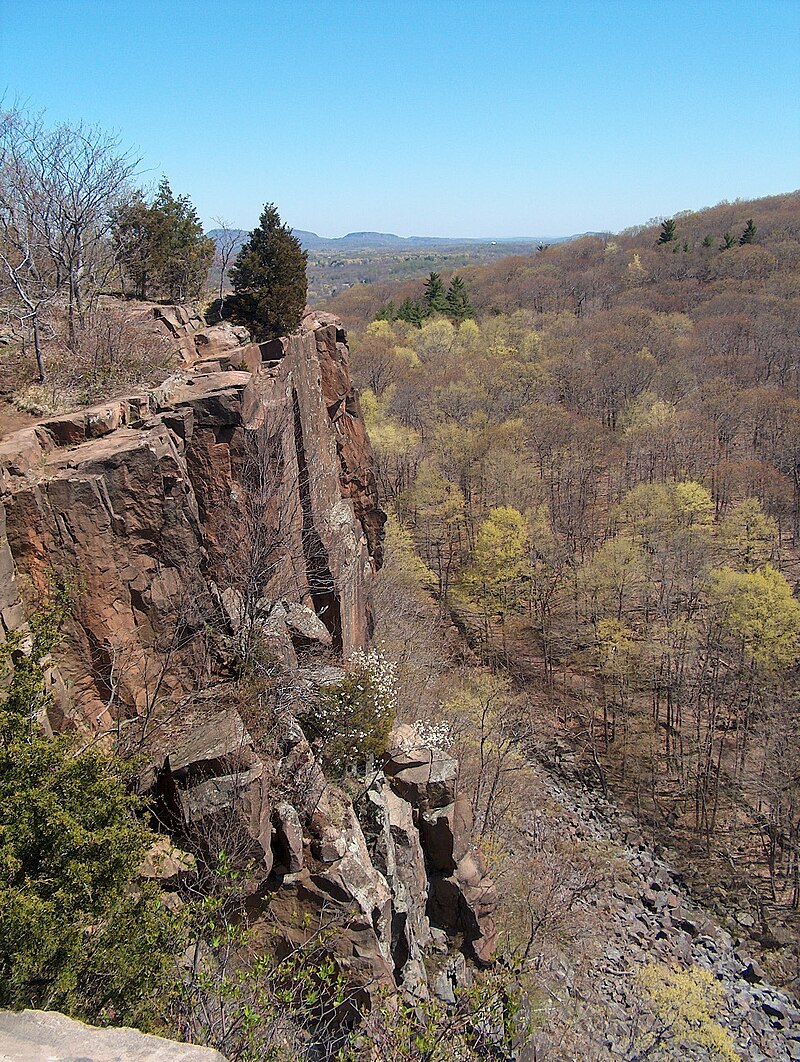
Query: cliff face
{"type": "Point", "coordinates": [259, 481]}
{"type": "Point", "coordinates": [239, 497]}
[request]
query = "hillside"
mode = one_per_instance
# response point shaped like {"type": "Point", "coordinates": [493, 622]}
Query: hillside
{"type": "Point", "coordinates": [601, 474]}
{"type": "Point", "coordinates": [596, 272]}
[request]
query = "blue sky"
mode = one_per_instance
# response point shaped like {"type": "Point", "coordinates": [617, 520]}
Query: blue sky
{"type": "Point", "coordinates": [434, 117]}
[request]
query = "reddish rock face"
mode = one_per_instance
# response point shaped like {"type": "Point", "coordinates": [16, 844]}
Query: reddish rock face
{"type": "Point", "coordinates": [153, 505]}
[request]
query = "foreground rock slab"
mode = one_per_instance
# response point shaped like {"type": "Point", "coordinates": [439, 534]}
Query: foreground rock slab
{"type": "Point", "coordinates": [46, 1036]}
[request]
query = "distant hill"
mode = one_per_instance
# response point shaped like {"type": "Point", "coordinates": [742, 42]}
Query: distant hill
{"type": "Point", "coordinates": [388, 240]}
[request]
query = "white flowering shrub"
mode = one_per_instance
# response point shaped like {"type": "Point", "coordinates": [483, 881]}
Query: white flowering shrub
{"type": "Point", "coordinates": [434, 736]}
{"type": "Point", "coordinates": [353, 717]}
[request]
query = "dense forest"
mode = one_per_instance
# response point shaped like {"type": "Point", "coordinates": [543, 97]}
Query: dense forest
{"type": "Point", "coordinates": [601, 472]}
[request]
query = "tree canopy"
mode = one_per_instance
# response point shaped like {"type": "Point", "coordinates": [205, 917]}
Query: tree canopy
{"type": "Point", "coordinates": [79, 929]}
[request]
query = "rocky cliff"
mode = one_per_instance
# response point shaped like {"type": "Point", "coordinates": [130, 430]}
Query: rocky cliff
{"type": "Point", "coordinates": [232, 512]}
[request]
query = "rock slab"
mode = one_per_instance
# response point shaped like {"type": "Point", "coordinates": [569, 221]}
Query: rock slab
{"type": "Point", "coordinates": [47, 1036]}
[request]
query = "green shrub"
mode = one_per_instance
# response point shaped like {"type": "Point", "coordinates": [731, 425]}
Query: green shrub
{"type": "Point", "coordinates": [79, 930]}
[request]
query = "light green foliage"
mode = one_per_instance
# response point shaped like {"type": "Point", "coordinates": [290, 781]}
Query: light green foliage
{"type": "Point", "coordinates": [498, 571]}
{"type": "Point", "coordinates": [438, 510]}
{"type": "Point", "coordinates": [389, 437]}
{"type": "Point", "coordinates": [269, 278]}
{"type": "Point", "coordinates": [353, 718]}
{"type": "Point", "coordinates": [614, 648]}
{"type": "Point", "coordinates": [759, 609]}
{"type": "Point", "coordinates": [694, 504]}
{"type": "Point", "coordinates": [407, 567]}
{"type": "Point", "coordinates": [657, 510]}
{"type": "Point", "coordinates": [635, 272]}
{"type": "Point", "coordinates": [686, 1004]}
{"type": "Point", "coordinates": [749, 534]}
{"type": "Point", "coordinates": [434, 339]}
{"type": "Point", "coordinates": [647, 414]}
{"type": "Point", "coordinates": [78, 930]}
{"type": "Point", "coordinates": [486, 1022]}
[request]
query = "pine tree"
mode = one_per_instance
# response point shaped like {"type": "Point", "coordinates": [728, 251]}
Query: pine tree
{"type": "Point", "coordinates": [269, 278]}
{"type": "Point", "coordinates": [727, 242]}
{"type": "Point", "coordinates": [749, 233]}
{"type": "Point", "coordinates": [412, 311]}
{"type": "Point", "coordinates": [434, 294]}
{"type": "Point", "coordinates": [667, 231]}
{"type": "Point", "coordinates": [459, 306]}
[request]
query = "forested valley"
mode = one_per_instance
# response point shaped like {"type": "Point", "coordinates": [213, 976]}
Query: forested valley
{"type": "Point", "coordinates": [600, 470]}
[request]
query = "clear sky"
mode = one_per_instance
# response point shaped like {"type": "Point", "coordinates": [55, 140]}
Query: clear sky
{"type": "Point", "coordinates": [428, 117]}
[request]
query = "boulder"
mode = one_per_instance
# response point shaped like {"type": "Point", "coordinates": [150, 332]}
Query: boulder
{"type": "Point", "coordinates": [47, 1036]}
{"type": "Point", "coordinates": [288, 838]}
{"type": "Point", "coordinates": [165, 862]}
{"type": "Point", "coordinates": [425, 777]}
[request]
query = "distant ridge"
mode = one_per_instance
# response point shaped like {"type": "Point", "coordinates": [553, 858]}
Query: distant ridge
{"type": "Point", "coordinates": [378, 240]}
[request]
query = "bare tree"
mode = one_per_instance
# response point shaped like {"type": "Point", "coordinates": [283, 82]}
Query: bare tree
{"type": "Point", "coordinates": [227, 241]}
{"type": "Point", "coordinates": [58, 188]}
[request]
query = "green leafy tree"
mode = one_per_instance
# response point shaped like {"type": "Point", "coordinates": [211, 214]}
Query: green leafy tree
{"type": "Point", "coordinates": [749, 233]}
{"type": "Point", "coordinates": [459, 306]}
{"type": "Point", "coordinates": [667, 234]}
{"type": "Point", "coordinates": [133, 242]}
{"type": "Point", "coordinates": [80, 931]}
{"type": "Point", "coordinates": [727, 242]}
{"type": "Point", "coordinates": [269, 278]}
{"type": "Point", "coordinates": [759, 609]}
{"type": "Point", "coordinates": [497, 577]}
{"type": "Point", "coordinates": [412, 311]}
{"type": "Point", "coordinates": [434, 294]}
{"type": "Point", "coordinates": [749, 534]}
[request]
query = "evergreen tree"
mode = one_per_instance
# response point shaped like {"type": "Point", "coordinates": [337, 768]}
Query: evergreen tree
{"type": "Point", "coordinates": [162, 246]}
{"type": "Point", "coordinates": [80, 930]}
{"type": "Point", "coordinates": [132, 234]}
{"type": "Point", "coordinates": [667, 234]}
{"type": "Point", "coordinates": [459, 306]}
{"type": "Point", "coordinates": [412, 311]}
{"type": "Point", "coordinates": [183, 254]}
{"type": "Point", "coordinates": [727, 242]}
{"type": "Point", "coordinates": [269, 278]}
{"type": "Point", "coordinates": [749, 233]}
{"type": "Point", "coordinates": [434, 294]}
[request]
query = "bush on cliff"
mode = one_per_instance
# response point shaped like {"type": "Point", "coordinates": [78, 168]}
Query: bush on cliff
{"type": "Point", "coordinates": [269, 279]}
{"type": "Point", "coordinates": [79, 930]}
{"type": "Point", "coordinates": [353, 718]}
